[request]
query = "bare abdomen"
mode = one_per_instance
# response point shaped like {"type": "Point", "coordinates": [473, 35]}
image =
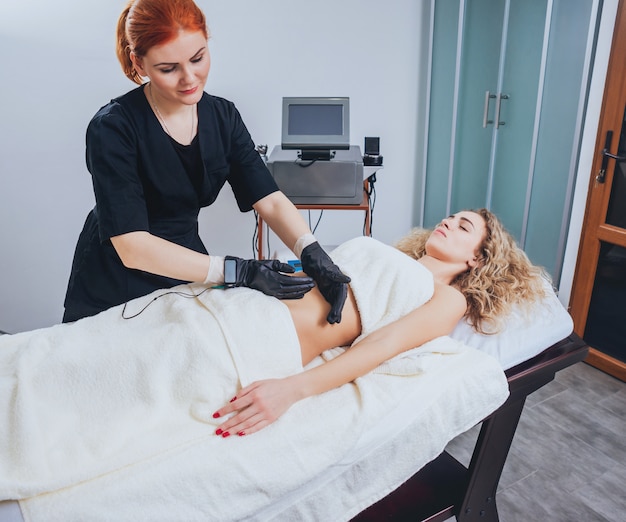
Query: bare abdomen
{"type": "Point", "coordinates": [314, 332]}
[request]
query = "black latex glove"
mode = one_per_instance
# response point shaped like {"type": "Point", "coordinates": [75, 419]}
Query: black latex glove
{"type": "Point", "coordinates": [333, 284]}
{"type": "Point", "coordinates": [269, 276]}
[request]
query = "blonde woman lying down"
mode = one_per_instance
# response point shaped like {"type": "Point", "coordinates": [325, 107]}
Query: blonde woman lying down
{"type": "Point", "coordinates": [399, 298]}
{"type": "Point", "coordinates": [477, 271]}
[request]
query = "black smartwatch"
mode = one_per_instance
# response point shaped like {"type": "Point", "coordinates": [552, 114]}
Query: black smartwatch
{"type": "Point", "coordinates": [230, 272]}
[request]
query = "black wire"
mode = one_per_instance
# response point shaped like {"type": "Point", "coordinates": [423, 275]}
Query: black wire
{"type": "Point", "coordinates": [255, 236]}
{"type": "Point", "coordinates": [175, 292]}
{"type": "Point", "coordinates": [318, 221]}
{"type": "Point", "coordinates": [371, 201]}
{"type": "Point", "coordinates": [304, 165]}
{"type": "Point", "coordinates": [319, 218]}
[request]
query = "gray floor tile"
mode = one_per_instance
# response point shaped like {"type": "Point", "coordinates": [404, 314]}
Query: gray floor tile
{"type": "Point", "coordinates": [568, 458]}
{"type": "Point", "coordinates": [606, 494]}
{"type": "Point", "coordinates": [542, 394]}
{"type": "Point", "coordinates": [538, 498]}
{"type": "Point", "coordinates": [588, 422]}
{"type": "Point", "coordinates": [540, 442]}
{"type": "Point", "coordinates": [615, 403]}
{"type": "Point", "coordinates": [588, 381]}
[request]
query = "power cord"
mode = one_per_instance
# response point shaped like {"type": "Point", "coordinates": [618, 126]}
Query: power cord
{"type": "Point", "coordinates": [255, 237]}
{"type": "Point", "coordinates": [319, 218]}
{"type": "Point", "coordinates": [371, 201]}
{"type": "Point", "coordinates": [174, 292]}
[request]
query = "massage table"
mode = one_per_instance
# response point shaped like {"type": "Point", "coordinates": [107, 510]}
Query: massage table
{"type": "Point", "coordinates": [445, 487]}
{"type": "Point", "coordinates": [391, 466]}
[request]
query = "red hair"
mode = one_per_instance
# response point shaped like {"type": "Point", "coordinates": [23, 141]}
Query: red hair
{"type": "Point", "coordinates": [146, 23]}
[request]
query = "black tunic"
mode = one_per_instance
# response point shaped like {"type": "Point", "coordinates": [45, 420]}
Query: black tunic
{"type": "Point", "coordinates": [141, 184]}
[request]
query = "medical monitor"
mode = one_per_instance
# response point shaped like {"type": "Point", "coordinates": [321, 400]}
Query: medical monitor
{"type": "Point", "coordinates": [316, 123]}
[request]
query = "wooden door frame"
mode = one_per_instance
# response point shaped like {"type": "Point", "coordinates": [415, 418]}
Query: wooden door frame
{"type": "Point", "coordinates": [594, 229]}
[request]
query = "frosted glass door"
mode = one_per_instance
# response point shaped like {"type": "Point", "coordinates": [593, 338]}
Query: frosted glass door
{"type": "Point", "coordinates": [513, 151]}
{"type": "Point", "coordinates": [572, 28]}
{"type": "Point", "coordinates": [480, 62]}
{"type": "Point", "coordinates": [508, 84]}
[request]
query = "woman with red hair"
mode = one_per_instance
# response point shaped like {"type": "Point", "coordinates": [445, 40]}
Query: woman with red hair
{"type": "Point", "coordinates": [160, 153]}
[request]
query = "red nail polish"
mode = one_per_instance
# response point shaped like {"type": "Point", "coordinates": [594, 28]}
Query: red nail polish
{"type": "Point", "coordinates": [225, 434]}
{"type": "Point", "coordinates": [241, 433]}
{"type": "Point", "coordinates": [216, 415]}
{"type": "Point", "coordinates": [218, 431]}
{"type": "Point", "coordinates": [233, 399]}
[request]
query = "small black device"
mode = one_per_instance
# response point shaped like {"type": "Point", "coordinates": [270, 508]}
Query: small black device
{"type": "Point", "coordinates": [230, 272]}
{"type": "Point", "coordinates": [372, 146]}
{"type": "Point", "coordinates": [372, 157]}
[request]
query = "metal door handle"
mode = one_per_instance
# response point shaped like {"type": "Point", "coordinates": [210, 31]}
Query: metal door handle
{"type": "Point", "coordinates": [607, 154]}
{"type": "Point", "coordinates": [500, 98]}
{"type": "Point", "coordinates": [486, 121]}
{"type": "Point", "coordinates": [605, 157]}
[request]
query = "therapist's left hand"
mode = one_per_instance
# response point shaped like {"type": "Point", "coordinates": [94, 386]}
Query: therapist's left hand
{"type": "Point", "coordinates": [271, 277]}
{"type": "Point", "coordinates": [256, 406]}
{"type": "Point", "coordinates": [332, 283]}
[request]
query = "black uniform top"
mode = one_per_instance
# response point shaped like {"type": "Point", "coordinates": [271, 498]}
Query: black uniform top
{"type": "Point", "coordinates": [141, 183]}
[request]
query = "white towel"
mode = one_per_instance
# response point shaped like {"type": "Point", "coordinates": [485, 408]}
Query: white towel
{"type": "Point", "coordinates": [327, 458]}
{"type": "Point", "coordinates": [84, 399]}
{"type": "Point", "coordinates": [137, 452]}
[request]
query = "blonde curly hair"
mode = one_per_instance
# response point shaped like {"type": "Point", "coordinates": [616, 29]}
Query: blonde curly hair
{"type": "Point", "coordinates": [503, 277]}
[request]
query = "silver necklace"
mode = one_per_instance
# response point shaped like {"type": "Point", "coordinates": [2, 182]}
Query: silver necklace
{"type": "Point", "coordinates": [162, 120]}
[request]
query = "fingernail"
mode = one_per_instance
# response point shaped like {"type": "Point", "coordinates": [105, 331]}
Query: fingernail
{"type": "Point", "coordinates": [241, 433]}
{"type": "Point", "coordinates": [225, 434]}
{"type": "Point", "coordinates": [216, 415]}
{"type": "Point", "coordinates": [218, 431]}
{"type": "Point", "coordinates": [233, 399]}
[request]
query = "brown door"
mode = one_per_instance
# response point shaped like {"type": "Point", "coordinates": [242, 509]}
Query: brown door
{"type": "Point", "coordinates": [598, 302]}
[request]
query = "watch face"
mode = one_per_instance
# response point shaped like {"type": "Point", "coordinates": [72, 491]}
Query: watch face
{"type": "Point", "coordinates": [230, 271]}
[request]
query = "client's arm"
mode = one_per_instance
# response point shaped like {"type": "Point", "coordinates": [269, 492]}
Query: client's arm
{"type": "Point", "coordinates": [262, 402]}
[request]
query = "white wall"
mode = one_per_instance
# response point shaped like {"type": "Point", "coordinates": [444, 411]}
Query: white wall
{"type": "Point", "coordinates": [59, 67]}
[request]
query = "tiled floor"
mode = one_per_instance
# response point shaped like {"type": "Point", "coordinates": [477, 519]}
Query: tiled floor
{"type": "Point", "coordinates": [568, 458]}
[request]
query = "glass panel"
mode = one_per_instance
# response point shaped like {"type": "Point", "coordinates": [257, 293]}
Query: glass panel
{"type": "Point", "coordinates": [482, 35]}
{"type": "Point", "coordinates": [559, 135]}
{"type": "Point", "coordinates": [606, 328]}
{"type": "Point", "coordinates": [441, 105]}
{"type": "Point", "coordinates": [514, 137]}
{"type": "Point", "coordinates": [616, 214]}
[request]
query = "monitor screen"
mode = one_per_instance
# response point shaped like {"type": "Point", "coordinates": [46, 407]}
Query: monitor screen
{"type": "Point", "coordinates": [316, 123]}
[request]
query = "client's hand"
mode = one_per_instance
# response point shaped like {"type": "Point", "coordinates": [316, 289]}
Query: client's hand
{"type": "Point", "coordinates": [333, 284]}
{"type": "Point", "coordinates": [270, 277]}
{"type": "Point", "coordinates": [257, 406]}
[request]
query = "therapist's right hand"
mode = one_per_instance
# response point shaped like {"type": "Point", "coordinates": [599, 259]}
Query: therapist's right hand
{"type": "Point", "coordinates": [270, 277]}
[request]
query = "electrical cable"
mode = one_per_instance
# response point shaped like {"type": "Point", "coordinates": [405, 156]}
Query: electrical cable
{"type": "Point", "coordinates": [175, 292]}
{"type": "Point", "coordinates": [303, 165]}
{"type": "Point", "coordinates": [319, 218]}
{"type": "Point", "coordinates": [255, 236]}
{"type": "Point", "coordinates": [371, 201]}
